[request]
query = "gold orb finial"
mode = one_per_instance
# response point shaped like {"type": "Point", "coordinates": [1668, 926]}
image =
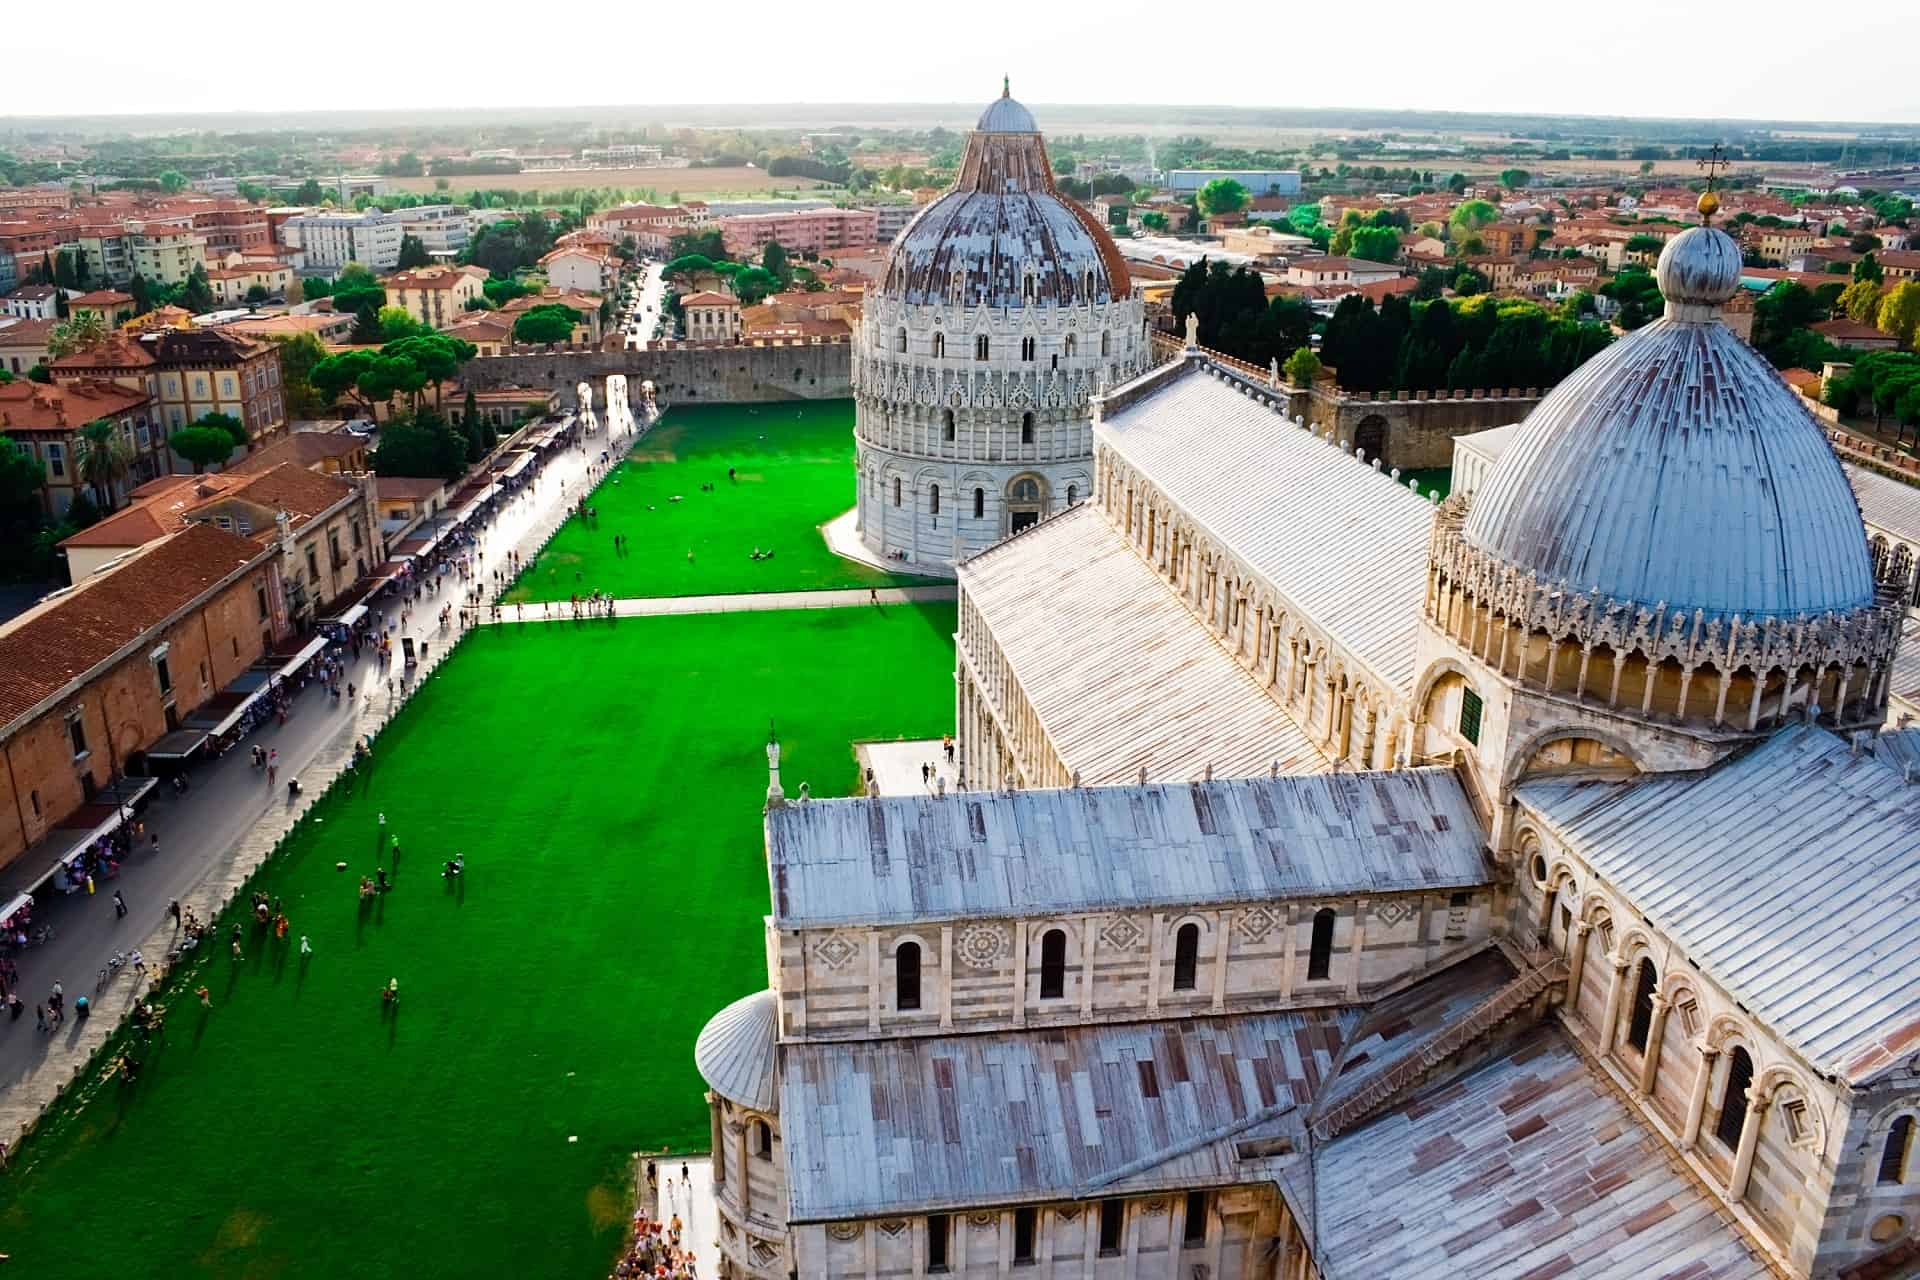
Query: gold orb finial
{"type": "Point", "coordinates": [1709, 204]}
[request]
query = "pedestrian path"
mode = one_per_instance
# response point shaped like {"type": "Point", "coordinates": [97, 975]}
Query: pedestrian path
{"type": "Point", "coordinates": [755, 602]}
{"type": "Point", "coordinates": [897, 766]}
{"type": "Point", "coordinates": [691, 1200]}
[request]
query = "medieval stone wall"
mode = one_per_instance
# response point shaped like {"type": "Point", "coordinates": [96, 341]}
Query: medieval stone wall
{"type": "Point", "coordinates": [681, 372]}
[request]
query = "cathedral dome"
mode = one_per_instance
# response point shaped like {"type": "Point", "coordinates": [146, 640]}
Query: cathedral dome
{"type": "Point", "coordinates": [1002, 236]}
{"type": "Point", "coordinates": [1677, 467]}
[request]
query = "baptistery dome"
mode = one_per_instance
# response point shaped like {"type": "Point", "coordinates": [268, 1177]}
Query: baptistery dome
{"type": "Point", "coordinates": [1002, 236]}
{"type": "Point", "coordinates": [1005, 307]}
{"type": "Point", "coordinates": [1676, 467]}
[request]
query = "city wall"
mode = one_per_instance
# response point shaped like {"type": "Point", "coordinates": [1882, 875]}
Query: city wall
{"type": "Point", "coordinates": [681, 372]}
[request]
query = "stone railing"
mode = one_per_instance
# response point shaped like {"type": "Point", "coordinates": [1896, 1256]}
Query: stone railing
{"type": "Point", "coordinates": [1881, 459]}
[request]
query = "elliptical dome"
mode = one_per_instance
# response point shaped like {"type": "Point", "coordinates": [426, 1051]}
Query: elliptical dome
{"type": "Point", "coordinates": [1676, 467]}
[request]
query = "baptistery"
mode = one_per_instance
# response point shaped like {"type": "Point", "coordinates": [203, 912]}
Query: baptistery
{"type": "Point", "coordinates": [1004, 309]}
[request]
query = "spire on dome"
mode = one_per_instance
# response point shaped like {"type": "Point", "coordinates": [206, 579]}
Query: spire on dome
{"type": "Point", "coordinates": [1006, 86]}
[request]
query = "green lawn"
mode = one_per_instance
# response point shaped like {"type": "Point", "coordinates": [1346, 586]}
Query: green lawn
{"type": "Point", "coordinates": [793, 472]}
{"type": "Point", "coordinates": [605, 782]}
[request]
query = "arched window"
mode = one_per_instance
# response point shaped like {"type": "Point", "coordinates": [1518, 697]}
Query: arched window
{"type": "Point", "coordinates": [1642, 1020]}
{"type": "Point", "coordinates": [981, 349]}
{"type": "Point", "coordinates": [933, 499]}
{"type": "Point", "coordinates": [1026, 428]}
{"type": "Point", "coordinates": [946, 420]}
{"type": "Point", "coordinates": [1053, 964]}
{"type": "Point", "coordinates": [1073, 494]}
{"type": "Point", "coordinates": [1186, 957]}
{"type": "Point", "coordinates": [763, 1139]}
{"type": "Point", "coordinates": [1733, 1099]}
{"type": "Point", "coordinates": [900, 340]}
{"type": "Point", "coordinates": [896, 491]}
{"type": "Point", "coordinates": [1026, 489]}
{"type": "Point", "coordinates": [1320, 953]}
{"type": "Point", "coordinates": [939, 345]}
{"type": "Point", "coordinates": [906, 976]}
{"type": "Point", "coordinates": [979, 503]}
{"type": "Point", "coordinates": [1106, 344]}
{"type": "Point", "coordinates": [1028, 287]}
{"type": "Point", "coordinates": [1893, 1157]}
{"type": "Point", "coordinates": [1026, 348]}
{"type": "Point", "coordinates": [1072, 345]}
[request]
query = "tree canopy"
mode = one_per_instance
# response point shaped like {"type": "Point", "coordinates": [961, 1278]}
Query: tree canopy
{"type": "Point", "coordinates": [236, 430]}
{"type": "Point", "coordinates": [1404, 345]}
{"type": "Point", "coordinates": [1223, 195]}
{"type": "Point", "coordinates": [551, 322]}
{"type": "Point", "coordinates": [413, 252]}
{"type": "Point", "coordinates": [425, 447]}
{"type": "Point", "coordinates": [1376, 244]}
{"type": "Point", "coordinates": [1899, 314]}
{"type": "Point", "coordinates": [1469, 214]}
{"type": "Point", "coordinates": [202, 446]}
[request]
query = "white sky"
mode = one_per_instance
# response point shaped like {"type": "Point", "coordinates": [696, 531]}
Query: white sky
{"type": "Point", "coordinates": [1760, 59]}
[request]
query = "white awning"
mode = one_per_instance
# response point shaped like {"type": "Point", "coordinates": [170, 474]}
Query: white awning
{"type": "Point", "coordinates": [305, 655]}
{"type": "Point", "coordinates": [350, 617]}
{"type": "Point", "coordinates": [233, 716]}
{"type": "Point", "coordinates": [19, 900]}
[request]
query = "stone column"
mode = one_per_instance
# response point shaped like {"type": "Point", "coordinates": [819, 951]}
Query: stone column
{"type": "Point", "coordinates": [1697, 1097]}
{"type": "Point", "coordinates": [1616, 989]}
{"type": "Point", "coordinates": [1656, 1028]}
{"type": "Point", "coordinates": [1576, 960]}
{"type": "Point", "coordinates": [1757, 1104]}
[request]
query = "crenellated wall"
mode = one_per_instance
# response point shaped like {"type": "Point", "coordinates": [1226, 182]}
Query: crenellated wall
{"type": "Point", "coordinates": [681, 372]}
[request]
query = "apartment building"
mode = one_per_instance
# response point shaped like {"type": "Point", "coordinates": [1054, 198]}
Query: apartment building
{"type": "Point", "coordinates": [436, 296]}
{"type": "Point", "coordinates": [801, 231]}
{"type": "Point", "coordinates": [46, 421]}
{"type": "Point", "coordinates": [191, 373]}
{"type": "Point", "coordinates": [329, 241]}
{"type": "Point", "coordinates": [443, 228]}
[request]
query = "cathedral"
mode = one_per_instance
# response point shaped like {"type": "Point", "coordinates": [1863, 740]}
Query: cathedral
{"type": "Point", "coordinates": [1345, 886]}
{"type": "Point", "coordinates": [1005, 308]}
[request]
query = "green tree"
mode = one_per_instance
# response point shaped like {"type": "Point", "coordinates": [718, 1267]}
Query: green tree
{"type": "Point", "coordinates": [1302, 367]}
{"type": "Point", "coordinates": [83, 332]}
{"type": "Point", "coordinates": [1860, 301]}
{"type": "Point", "coordinates": [1782, 311]}
{"type": "Point", "coordinates": [258, 294]}
{"type": "Point", "coordinates": [1154, 221]}
{"type": "Point", "coordinates": [202, 446]}
{"type": "Point", "coordinates": [1867, 269]}
{"type": "Point", "coordinates": [309, 192]}
{"type": "Point", "coordinates": [423, 447]}
{"type": "Point", "coordinates": [196, 294]}
{"type": "Point", "coordinates": [1432, 282]}
{"type": "Point", "coordinates": [1469, 214]}
{"type": "Point", "coordinates": [774, 260]}
{"type": "Point", "coordinates": [235, 429]}
{"type": "Point", "coordinates": [298, 355]}
{"type": "Point", "coordinates": [1223, 195]}
{"type": "Point", "coordinates": [413, 252]}
{"type": "Point", "coordinates": [354, 297]}
{"type": "Point", "coordinates": [501, 292]}
{"type": "Point", "coordinates": [1375, 244]}
{"type": "Point", "coordinates": [397, 323]}
{"type": "Point", "coordinates": [469, 409]}
{"type": "Point", "coordinates": [172, 180]}
{"type": "Point", "coordinates": [1467, 282]}
{"type": "Point", "coordinates": [1513, 179]}
{"type": "Point", "coordinates": [552, 322]}
{"type": "Point", "coordinates": [101, 458]}
{"type": "Point", "coordinates": [40, 373]}
{"type": "Point", "coordinates": [1899, 313]}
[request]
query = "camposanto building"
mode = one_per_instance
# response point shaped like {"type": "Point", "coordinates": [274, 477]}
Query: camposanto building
{"type": "Point", "coordinates": [1004, 309]}
{"type": "Point", "coordinates": [1345, 887]}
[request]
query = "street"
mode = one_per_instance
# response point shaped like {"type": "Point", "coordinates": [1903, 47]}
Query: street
{"type": "Point", "coordinates": [645, 318]}
{"type": "Point", "coordinates": [211, 837]}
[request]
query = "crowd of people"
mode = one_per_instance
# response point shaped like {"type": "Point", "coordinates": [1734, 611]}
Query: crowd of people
{"type": "Point", "coordinates": [654, 1251]}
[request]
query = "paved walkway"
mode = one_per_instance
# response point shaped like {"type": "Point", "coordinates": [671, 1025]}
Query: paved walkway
{"type": "Point", "coordinates": [896, 766]}
{"type": "Point", "coordinates": [222, 830]}
{"type": "Point", "coordinates": [843, 539]}
{"type": "Point", "coordinates": [693, 1201]}
{"type": "Point", "coordinates": [663, 606]}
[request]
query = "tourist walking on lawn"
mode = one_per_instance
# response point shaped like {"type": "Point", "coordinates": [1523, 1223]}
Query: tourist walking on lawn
{"type": "Point", "coordinates": [306, 947]}
{"type": "Point", "coordinates": [206, 998]}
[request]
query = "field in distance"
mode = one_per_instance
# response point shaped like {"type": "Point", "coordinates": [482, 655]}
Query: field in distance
{"type": "Point", "coordinates": [688, 182]}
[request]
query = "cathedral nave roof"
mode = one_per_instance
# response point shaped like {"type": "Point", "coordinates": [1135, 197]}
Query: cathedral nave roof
{"type": "Point", "coordinates": [1790, 874]}
{"type": "Point", "coordinates": [1120, 673]}
{"type": "Point", "coordinates": [1346, 545]}
{"type": "Point", "coordinates": [1031, 853]}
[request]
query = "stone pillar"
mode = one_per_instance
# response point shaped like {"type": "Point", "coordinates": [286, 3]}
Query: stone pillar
{"type": "Point", "coordinates": [1576, 960]}
{"type": "Point", "coordinates": [1616, 989]}
{"type": "Point", "coordinates": [1697, 1097]}
{"type": "Point", "coordinates": [1757, 1104]}
{"type": "Point", "coordinates": [1656, 1028]}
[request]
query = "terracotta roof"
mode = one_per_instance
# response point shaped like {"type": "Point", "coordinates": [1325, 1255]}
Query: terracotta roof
{"type": "Point", "coordinates": [118, 352]}
{"type": "Point", "coordinates": [1845, 330]}
{"type": "Point", "coordinates": [136, 526]}
{"type": "Point", "coordinates": [709, 298]}
{"type": "Point", "coordinates": [304, 448]}
{"type": "Point", "coordinates": [427, 278]}
{"type": "Point", "coordinates": [32, 406]}
{"type": "Point", "coordinates": [25, 333]}
{"type": "Point", "coordinates": [34, 292]}
{"type": "Point", "coordinates": [47, 648]}
{"type": "Point", "coordinates": [294, 489]}
{"type": "Point", "coordinates": [407, 486]}
{"type": "Point", "coordinates": [102, 298]}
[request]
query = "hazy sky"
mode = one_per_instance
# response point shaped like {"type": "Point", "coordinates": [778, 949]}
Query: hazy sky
{"type": "Point", "coordinates": [1764, 58]}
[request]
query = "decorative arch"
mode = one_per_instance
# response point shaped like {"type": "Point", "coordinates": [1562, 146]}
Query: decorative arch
{"type": "Point", "coordinates": [1725, 1030]}
{"type": "Point", "coordinates": [1523, 753]}
{"type": "Point", "coordinates": [1370, 438]}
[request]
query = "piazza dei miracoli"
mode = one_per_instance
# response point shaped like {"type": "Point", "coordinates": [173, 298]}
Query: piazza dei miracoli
{"type": "Point", "coordinates": [1344, 886]}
